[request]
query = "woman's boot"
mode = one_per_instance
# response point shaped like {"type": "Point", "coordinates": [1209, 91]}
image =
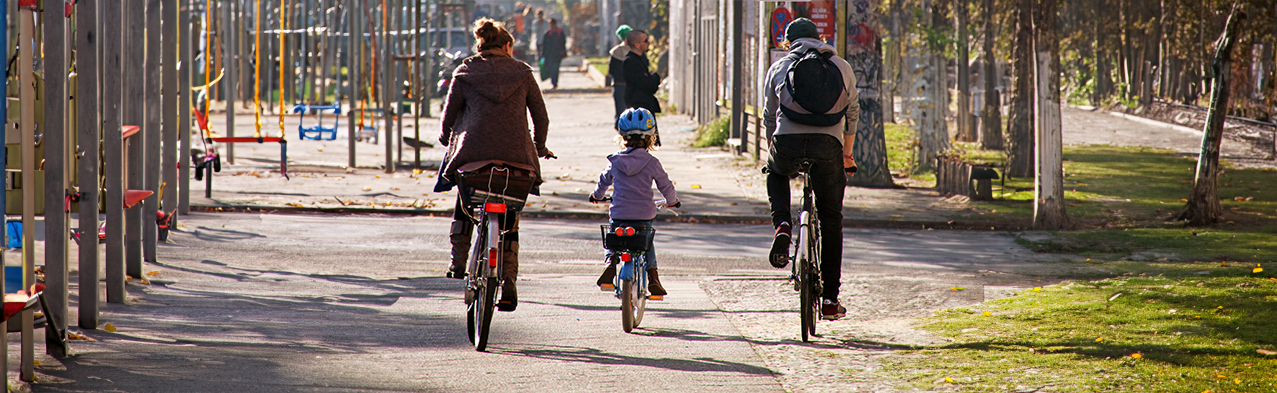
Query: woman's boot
{"type": "Point", "coordinates": [509, 274]}
{"type": "Point", "coordinates": [460, 238]}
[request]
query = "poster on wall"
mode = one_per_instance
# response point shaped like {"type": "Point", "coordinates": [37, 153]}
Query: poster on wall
{"type": "Point", "coordinates": [822, 13]}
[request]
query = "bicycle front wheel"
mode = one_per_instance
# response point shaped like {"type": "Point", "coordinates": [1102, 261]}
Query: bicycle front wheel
{"type": "Point", "coordinates": [480, 313]}
{"type": "Point", "coordinates": [808, 300]}
{"type": "Point", "coordinates": [640, 294]}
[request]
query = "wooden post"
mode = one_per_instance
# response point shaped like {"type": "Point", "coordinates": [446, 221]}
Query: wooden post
{"type": "Point", "coordinates": [169, 119]}
{"type": "Point", "coordinates": [737, 128]}
{"type": "Point", "coordinates": [229, 33]}
{"type": "Point", "coordinates": [26, 95]}
{"type": "Point", "coordinates": [151, 132]}
{"type": "Point", "coordinates": [184, 77]}
{"type": "Point", "coordinates": [113, 108]}
{"type": "Point", "coordinates": [134, 114]}
{"type": "Point", "coordinates": [87, 104]}
{"type": "Point", "coordinates": [56, 219]}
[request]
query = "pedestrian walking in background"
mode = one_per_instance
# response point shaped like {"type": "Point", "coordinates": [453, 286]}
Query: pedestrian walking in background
{"type": "Point", "coordinates": [554, 47]}
{"type": "Point", "coordinates": [485, 120]}
{"type": "Point", "coordinates": [615, 69]}
{"type": "Point", "coordinates": [811, 70]}
{"type": "Point", "coordinates": [640, 83]}
{"type": "Point", "coordinates": [537, 28]}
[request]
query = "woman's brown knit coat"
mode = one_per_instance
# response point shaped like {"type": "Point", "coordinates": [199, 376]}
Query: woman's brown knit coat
{"type": "Point", "coordinates": [485, 117]}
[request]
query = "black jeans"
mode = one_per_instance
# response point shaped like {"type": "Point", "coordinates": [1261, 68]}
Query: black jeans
{"type": "Point", "coordinates": [828, 183]}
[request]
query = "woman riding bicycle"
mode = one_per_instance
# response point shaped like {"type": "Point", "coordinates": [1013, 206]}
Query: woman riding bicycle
{"type": "Point", "coordinates": [485, 121]}
{"type": "Point", "coordinates": [794, 136]}
{"type": "Point", "coordinates": [631, 173]}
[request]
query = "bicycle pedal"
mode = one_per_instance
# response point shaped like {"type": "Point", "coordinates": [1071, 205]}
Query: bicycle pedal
{"type": "Point", "coordinates": [656, 298]}
{"type": "Point", "coordinates": [607, 288]}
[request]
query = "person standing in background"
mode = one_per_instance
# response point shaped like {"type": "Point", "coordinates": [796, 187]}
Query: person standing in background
{"type": "Point", "coordinates": [615, 69]}
{"type": "Point", "coordinates": [641, 84]}
{"type": "Point", "coordinates": [554, 47]}
{"type": "Point", "coordinates": [536, 29]}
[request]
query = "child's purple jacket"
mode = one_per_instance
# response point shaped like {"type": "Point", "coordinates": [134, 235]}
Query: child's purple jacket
{"type": "Point", "coordinates": [631, 172]}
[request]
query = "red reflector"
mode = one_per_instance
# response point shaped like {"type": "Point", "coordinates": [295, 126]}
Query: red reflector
{"type": "Point", "coordinates": [629, 231]}
{"type": "Point", "coordinates": [494, 207]}
{"type": "Point", "coordinates": [492, 256]}
{"type": "Point", "coordinates": [620, 231]}
{"type": "Point", "coordinates": [625, 257]}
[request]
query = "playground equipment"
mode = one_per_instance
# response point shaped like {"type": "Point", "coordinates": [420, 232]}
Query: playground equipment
{"type": "Point", "coordinates": [318, 131]}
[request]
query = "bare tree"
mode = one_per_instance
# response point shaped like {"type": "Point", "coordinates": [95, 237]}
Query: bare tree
{"type": "Point", "coordinates": [991, 115]}
{"type": "Point", "coordinates": [933, 128]}
{"type": "Point", "coordinates": [1048, 190]}
{"type": "Point", "coordinates": [1021, 116]}
{"type": "Point", "coordinates": [1203, 205]}
{"type": "Point", "coordinates": [966, 130]}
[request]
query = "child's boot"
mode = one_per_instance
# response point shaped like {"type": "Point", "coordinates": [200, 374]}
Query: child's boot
{"type": "Point", "coordinates": [654, 287]}
{"type": "Point", "coordinates": [605, 281]}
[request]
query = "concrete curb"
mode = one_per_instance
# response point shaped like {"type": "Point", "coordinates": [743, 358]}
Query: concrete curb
{"type": "Point", "coordinates": [589, 216]}
{"type": "Point", "coordinates": [1138, 119]}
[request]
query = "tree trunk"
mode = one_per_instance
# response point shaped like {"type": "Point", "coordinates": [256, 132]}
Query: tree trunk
{"type": "Point", "coordinates": [1021, 116]}
{"type": "Point", "coordinates": [966, 130]}
{"type": "Point", "coordinates": [1203, 204]}
{"type": "Point", "coordinates": [871, 142]}
{"type": "Point", "coordinates": [1048, 210]}
{"type": "Point", "coordinates": [933, 132]}
{"type": "Point", "coordinates": [991, 115]}
{"type": "Point", "coordinates": [893, 66]}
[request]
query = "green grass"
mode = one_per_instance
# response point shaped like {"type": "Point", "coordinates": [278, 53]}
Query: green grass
{"type": "Point", "coordinates": [599, 63]}
{"type": "Point", "coordinates": [1124, 187]}
{"type": "Point", "coordinates": [1195, 327]}
{"type": "Point", "coordinates": [713, 133]}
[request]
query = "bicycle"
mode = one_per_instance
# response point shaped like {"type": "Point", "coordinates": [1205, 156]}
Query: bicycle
{"type": "Point", "coordinates": [805, 271]}
{"type": "Point", "coordinates": [499, 189]}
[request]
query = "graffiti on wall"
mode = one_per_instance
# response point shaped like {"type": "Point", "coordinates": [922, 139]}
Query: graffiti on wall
{"type": "Point", "coordinates": [864, 53]}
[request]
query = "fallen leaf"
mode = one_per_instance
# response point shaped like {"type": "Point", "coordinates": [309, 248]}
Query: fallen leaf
{"type": "Point", "coordinates": [1257, 270]}
{"type": "Point", "coordinates": [986, 313]}
{"type": "Point", "coordinates": [949, 380]}
{"type": "Point", "coordinates": [153, 274]}
{"type": "Point", "coordinates": [109, 328]}
{"type": "Point", "coordinates": [696, 186]}
{"type": "Point", "coordinates": [367, 188]}
{"type": "Point", "coordinates": [1099, 339]}
{"type": "Point", "coordinates": [1037, 289]}
{"type": "Point", "coordinates": [957, 288]}
{"type": "Point", "coordinates": [1237, 381]}
{"type": "Point", "coordinates": [1137, 355]}
{"type": "Point", "coordinates": [77, 336]}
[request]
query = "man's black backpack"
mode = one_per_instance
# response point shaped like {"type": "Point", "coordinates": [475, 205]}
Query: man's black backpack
{"type": "Point", "coordinates": [816, 86]}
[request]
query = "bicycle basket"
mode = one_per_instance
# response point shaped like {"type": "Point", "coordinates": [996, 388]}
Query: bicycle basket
{"type": "Point", "coordinates": [635, 243]}
{"type": "Point", "coordinates": [494, 184]}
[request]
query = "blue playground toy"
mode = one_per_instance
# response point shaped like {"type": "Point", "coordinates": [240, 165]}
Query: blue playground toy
{"type": "Point", "coordinates": [317, 132]}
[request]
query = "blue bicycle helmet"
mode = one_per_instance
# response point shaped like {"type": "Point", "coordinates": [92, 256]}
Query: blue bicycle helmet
{"type": "Point", "coordinates": [636, 121]}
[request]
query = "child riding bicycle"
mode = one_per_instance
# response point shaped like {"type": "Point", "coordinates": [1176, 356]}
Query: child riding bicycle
{"type": "Point", "coordinates": [631, 173]}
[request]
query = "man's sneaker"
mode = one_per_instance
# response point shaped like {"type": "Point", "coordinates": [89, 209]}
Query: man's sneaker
{"type": "Point", "coordinates": [780, 246]}
{"type": "Point", "coordinates": [830, 310]}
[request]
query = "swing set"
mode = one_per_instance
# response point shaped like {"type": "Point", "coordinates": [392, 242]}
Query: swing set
{"type": "Point", "coordinates": [212, 160]}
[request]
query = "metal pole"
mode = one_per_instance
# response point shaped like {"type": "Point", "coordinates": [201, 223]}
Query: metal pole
{"type": "Point", "coordinates": [738, 72]}
{"type": "Point", "coordinates": [113, 109]}
{"type": "Point", "coordinates": [184, 76]}
{"type": "Point", "coordinates": [56, 219]}
{"type": "Point", "coordinates": [152, 134]}
{"type": "Point", "coordinates": [134, 97]}
{"type": "Point", "coordinates": [26, 94]}
{"type": "Point", "coordinates": [4, 159]}
{"type": "Point", "coordinates": [354, 61]}
{"type": "Point", "coordinates": [228, 58]}
{"type": "Point", "coordinates": [87, 104]}
{"type": "Point", "coordinates": [387, 85]}
{"type": "Point", "coordinates": [169, 118]}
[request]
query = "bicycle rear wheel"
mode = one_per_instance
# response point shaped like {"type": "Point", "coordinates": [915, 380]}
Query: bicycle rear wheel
{"type": "Point", "coordinates": [479, 321]}
{"type": "Point", "coordinates": [627, 305]}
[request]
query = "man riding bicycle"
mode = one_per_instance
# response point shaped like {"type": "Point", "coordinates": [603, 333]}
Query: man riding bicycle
{"type": "Point", "coordinates": [823, 133]}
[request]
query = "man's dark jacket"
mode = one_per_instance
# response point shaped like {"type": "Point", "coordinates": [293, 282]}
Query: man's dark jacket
{"type": "Point", "coordinates": [640, 85]}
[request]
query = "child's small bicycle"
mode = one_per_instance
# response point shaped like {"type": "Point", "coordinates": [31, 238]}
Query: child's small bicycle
{"type": "Point", "coordinates": [629, 246]}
